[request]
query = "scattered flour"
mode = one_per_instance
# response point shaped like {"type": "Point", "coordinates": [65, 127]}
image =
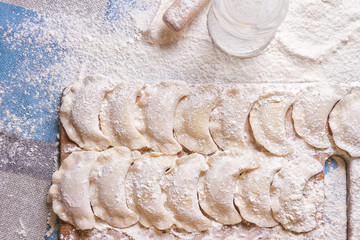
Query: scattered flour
{"type": "Point", "coordinates": [113, 45]}
{"type": "Point", "coordinates": [52, 221]}
{"type": "Point", "coordinates": [23, 231]}
{"type": "Point", "coordinates": [335, 183]}
{"type": "Point", "coordinates": [318, 41]}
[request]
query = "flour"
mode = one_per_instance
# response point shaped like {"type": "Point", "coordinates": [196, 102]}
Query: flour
{"type": "Point", "coordinates": [335, 196]}
{"type": "Point", "coordinates": [301, 51]}
{"type": "Point", "coordinates": [51, 221]}
{"type": "Point", "coordinates": [321, 39]}
{"type": "Point", "coordinates": [23, 231]}
{"type": "Point", "coordinates": [157, 32]}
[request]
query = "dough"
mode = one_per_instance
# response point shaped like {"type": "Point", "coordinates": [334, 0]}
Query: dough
{"type": "Point", "coordinates": [218, 186]}
{"type": "Point", "coordinates": [145, 196]}
{"type": "Point", "coordinates": [107, 187]}
{"type": "Point", "coordinates": [181, 187]}
{"type": "Point", "coordinates": [79, 111]}
{"type": "Point", "coordinates": [287, 199]}
{"type": "Point", "coordinates": [267, 120]}
{"type": "Point", "coordinates": [158, 103]}
{"type": "Point", "coordinates": [311, 111]}
{"type": "Point", "coordinates": [344, 122]}
{"type": "Point", "coordinates": [228, 119]}
{"type": "Point", "coordinates": [253, 190]}
{"type": "Point", "coordinates": [70, 191]}
{"type": "Point", "coordinates": [121, 119]}
{"type": "Point", "coordinates": [192, 118]}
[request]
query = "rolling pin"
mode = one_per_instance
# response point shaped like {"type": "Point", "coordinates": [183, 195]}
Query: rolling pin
{"type": "Point", "coordinates": [182, 12]}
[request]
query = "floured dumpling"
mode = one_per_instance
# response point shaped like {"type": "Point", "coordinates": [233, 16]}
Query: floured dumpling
{"type": "Point", "coordinates": [181, 187]}
{"type": "Point", "coordinates": [120, 117]}
{"type": "Point", "coordinates": [287, 200]}
{"type": "Point", "coordinates": [228, 119]}
{"type": "Point", "coordinates": [79, 111]}
{"type": "Point", "coordinates": [253, 191]}
{"type": "Point", "coordinates": [345, 124]}
{"type": "Point", "coordinates": [192, 118]}
{"type": "Point", "coordinates": [311, 111]}
{"type": "Point", "coordinates": [267, 120]}
{"type": "Point", "coordinates": [107, 187]}
{"type": "Point", "coordinates": [217, 188]}
{"type": "Point", "coordinates": [158, 103]}
{"type": "Point", "coordinates": [144, 193]}
{"type": "Point", "coordinates": [70, 191]}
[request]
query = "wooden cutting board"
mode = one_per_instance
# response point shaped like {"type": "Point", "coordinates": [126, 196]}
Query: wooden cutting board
{"type": "Point", "coordinates": [67, 231]}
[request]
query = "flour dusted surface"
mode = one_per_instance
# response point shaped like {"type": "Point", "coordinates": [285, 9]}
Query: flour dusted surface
{"type": "Point", "coordinates": [114, 49]}
{"type": "Point", "coordinates": [101, 50]}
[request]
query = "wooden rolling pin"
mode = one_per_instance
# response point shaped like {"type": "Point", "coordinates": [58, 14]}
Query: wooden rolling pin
{"type": "Point", "coordinates": [182, 12]}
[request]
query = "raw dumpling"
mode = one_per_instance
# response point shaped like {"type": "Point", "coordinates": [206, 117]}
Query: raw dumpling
{"type": "Point", "coordinates": [192, 118]}
{"type": "Point", "coordinates": [311, 111]}
{"type": "Point", "coordinates": [217, 188]}
{"type": "Point", "coordinates": [253, 191]}
{"type": "Point", "coordinates": [145, 195]}
{"type": "Point", "coordinates": [107, 187]}
{"type": "Point", "coordinates": [181, 187]}
{"type": "Point", "coordinates": [79, 111]}
{"type": "Point", "coordinates": [345, 124]}
{"type": "Point", "coordinates": [120, 117]}
{"type": "Point", "coordinates": [287, 199]}
{"type": "Point", "coordinates": [158, 103]}
{"type": "Point", "coordinates": [228, 119]}
{"type": "Point", "coordinates": [70, 191]}
{"type": "Point", "coordinates": [267, 120]}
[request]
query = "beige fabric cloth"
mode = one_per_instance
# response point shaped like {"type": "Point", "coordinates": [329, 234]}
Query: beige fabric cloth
{"type": "Point", "coordinates": [26, 167]}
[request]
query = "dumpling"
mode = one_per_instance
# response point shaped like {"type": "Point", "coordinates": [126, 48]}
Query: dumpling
{"type": "Point", "coordinates": [287, 199]}
{"type": "Point", "coordinates": [145, 195]}
{"type": "Point", "coordinates": [70, 191]}
{"type": "Point", "coordinates": [107, 188]}
{"type": "Point", "coordinates": [267, 120]}
{"type": "Point", "coordinates": [79, 111]}
{"type": "Point", "coordinates": [228, 119]}
{"type": "Point", "coordinates": [158, 103]}
{"type": "Point", "coordinates": [192, 117]}
{"type": "Point", "coordinates": [120, 117]}
{"type": "Point", "coordinates": [181, 187]}
{"type": "Point", "coordinates": [217, 188]}
{"type": "Point", "coordinates": [311, 111]}
{"type": "Point", "coordinates": [345, 124]}
{"type": "Point", "coordinates": [252, 196]}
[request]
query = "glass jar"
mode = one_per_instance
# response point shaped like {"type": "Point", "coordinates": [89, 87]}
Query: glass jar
{"type": "Point", "coordinates": [245, 27]}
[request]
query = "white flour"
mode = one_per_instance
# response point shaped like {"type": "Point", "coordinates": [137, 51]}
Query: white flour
{"type": "Point", "coordinates": [318, 41]}
{"type": "Point", "coordinates": [22, 232]}
{"type": "Point", "coordinates": [113, 50]}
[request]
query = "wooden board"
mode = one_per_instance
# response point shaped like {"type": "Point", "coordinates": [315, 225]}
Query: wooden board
{"type": "Point", "coordinates": [67, 231]}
